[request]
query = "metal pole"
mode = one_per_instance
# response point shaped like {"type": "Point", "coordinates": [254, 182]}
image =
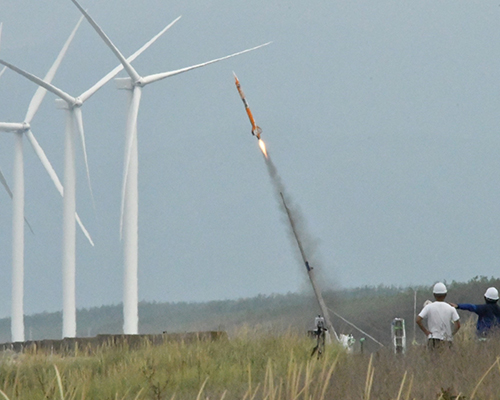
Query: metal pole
{"type": "Point", "coordinates": [414, 315]}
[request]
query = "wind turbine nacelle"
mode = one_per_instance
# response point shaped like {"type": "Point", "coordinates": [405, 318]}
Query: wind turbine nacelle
{"type": "Point", "coordinates": [14, 127]}
{"type": "Point", "coordinates": [124, 83]}
{"type": "Point", "coordinates": [61, 104]}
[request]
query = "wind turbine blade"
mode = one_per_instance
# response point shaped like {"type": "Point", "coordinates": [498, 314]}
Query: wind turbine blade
{"type": "Point", "coordinates": [2, 71]}
{"type": "Point", "coordinates": [84, 230]}
{"type": "Point", "coordinates": [29, 226]}
{"type": "Point", "coordinates": [130, 70]}
{"type": "Point", "coordinates": [152, 40]}
{"type": "Point", "coordinates": [79, 126]}
{"type": "Point", "coordinates": [45, 162]}
{"type": "Point", "coordinates": [11, 126]}
{"type": "Point", "coordinates": [157, 77]}
{"type": "Point", "coordinates": [86, 95]}
{"type": "Point", "coordinates": [131, 138]}
{"type": "Point", "coordinates": [51, 88]}
{"type": "Point", "coordinates": [53, 176]}
{"type": "Point", "coordinates": [3, 181]}
{"type": "Point", "coordinates": [41, 91]}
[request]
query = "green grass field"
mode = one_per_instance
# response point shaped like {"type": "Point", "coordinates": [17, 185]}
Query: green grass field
{"type": "Point", "coordinates": [256, 364]}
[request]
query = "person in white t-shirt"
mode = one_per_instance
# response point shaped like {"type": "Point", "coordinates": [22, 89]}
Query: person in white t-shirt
{"type": "Point", "coordinates": [441, 319]}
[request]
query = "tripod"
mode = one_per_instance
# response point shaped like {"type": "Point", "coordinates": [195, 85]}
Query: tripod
{"type": "Point", "coordinates": [320, 334]}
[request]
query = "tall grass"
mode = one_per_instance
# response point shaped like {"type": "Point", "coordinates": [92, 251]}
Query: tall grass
{"type": "Point", "coordinates": [255, 365]}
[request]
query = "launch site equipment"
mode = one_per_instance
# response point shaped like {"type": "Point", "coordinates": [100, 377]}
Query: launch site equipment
{"type": "Point", "coordinates": [398, 334]}
{"type": "Point", "coordinates": [362, 345]}
{"type": "Point", "coordinates": [348, 342]}
{"type": "Point", "coordinates": [320, 333]}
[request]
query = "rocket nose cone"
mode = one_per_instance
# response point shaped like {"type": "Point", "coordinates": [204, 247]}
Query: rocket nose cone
{"type": "Point", "coordinates": [235, 77]}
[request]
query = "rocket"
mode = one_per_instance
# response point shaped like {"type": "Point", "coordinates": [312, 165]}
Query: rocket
{"type": "Point", "coordinates": [256, 131]}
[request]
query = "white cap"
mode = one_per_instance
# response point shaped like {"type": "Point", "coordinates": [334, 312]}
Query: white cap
{"type": "Point", "coordinates": [491, 294]}
{"type": "Point", "coordinates": [439, 288]}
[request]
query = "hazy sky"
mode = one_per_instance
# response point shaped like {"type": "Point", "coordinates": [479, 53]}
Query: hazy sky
{"type": "Point", "coordinates": [381, 117]}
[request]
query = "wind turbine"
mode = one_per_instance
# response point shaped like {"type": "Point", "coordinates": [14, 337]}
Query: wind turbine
{"type": "Point", "coordinates": [129, 212]}
{"type": "Point", "coordinates": [17, 193]}
{"type": "Point", "coordinates": [72, 106]}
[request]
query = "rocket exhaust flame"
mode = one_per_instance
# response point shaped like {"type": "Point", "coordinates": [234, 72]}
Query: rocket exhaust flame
{"type": "Point", "coordinates": [262, 146]}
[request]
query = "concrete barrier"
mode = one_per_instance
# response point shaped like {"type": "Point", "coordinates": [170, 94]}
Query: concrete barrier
{"type": "Point", "coordinates": [88, 345]}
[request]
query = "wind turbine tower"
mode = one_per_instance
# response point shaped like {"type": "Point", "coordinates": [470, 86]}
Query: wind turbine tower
{"type": "Point", "coordinates": [129, 216]}
{"type": "Point", "coordinates": [4, 68]}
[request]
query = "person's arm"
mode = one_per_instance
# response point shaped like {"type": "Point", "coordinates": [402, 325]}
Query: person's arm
{"type": "Point", "coordinates": [467, 307]}
{"type": "Point", "coordinates": [456, 321]}
{"type": "Point", "coordinates": [422, 327]}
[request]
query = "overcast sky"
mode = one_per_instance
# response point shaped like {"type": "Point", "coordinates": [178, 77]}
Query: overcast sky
{"type": "Point", "coordinates": [381, 118]}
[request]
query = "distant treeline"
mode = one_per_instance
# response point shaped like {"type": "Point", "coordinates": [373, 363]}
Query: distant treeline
{"type": "Point", "coordinates": [370, 308]}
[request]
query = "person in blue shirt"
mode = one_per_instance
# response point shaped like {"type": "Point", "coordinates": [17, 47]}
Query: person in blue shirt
{"type": "Point", "coordinates": [488, 314]}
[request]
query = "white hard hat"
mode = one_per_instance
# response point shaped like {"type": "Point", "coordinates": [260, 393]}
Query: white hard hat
{"type": "Point", "coordinates": [491, 294]}
{"type": "Point", "coordinates": [439, 288]}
